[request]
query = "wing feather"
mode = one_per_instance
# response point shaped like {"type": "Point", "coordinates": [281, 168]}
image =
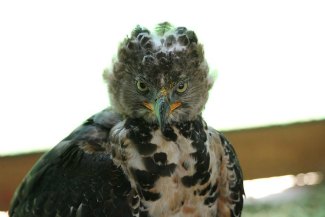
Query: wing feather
{"type": "Point", "coordinates": [231, 188]}
{"type": "Point", "coordinates": [76, 178]}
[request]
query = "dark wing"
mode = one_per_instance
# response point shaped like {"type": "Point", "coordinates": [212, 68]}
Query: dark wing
{"type": "Point", "coordinates": [76, 178]}
{"type": "Point", "coordinates": [231, 188]}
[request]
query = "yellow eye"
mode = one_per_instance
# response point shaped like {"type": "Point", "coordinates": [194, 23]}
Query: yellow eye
{"type": "Point", "coordinates": [142, 86]}
{"type": "Point", "coordinates": [181, 87]}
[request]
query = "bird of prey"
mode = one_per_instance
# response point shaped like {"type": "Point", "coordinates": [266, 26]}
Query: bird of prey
{"type": "Point", "coordinates": [150, 153]}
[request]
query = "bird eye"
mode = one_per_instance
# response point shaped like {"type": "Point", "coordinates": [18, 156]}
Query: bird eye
{"type": "Point", "coordinates": [181, 87]}
{"type": "Point", "coordinates": [142, 86]}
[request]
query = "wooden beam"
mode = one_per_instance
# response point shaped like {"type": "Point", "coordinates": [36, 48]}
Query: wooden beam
{"type": "Point", "coordinates": [280, 150]}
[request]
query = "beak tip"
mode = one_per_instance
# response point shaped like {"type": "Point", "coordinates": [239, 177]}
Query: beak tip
{"type": "Point", "coordinates": [162, 110]}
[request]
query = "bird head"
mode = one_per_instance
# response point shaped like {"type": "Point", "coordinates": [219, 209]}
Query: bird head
{"type": "Point", "coordinates": [161, 76]}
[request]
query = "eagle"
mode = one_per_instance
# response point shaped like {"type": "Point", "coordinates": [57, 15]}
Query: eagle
{"type": "Point", "coordinates": [150, 154]}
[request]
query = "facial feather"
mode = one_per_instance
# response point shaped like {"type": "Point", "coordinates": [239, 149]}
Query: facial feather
{"type": "Point", "coordinates": [159, 61]}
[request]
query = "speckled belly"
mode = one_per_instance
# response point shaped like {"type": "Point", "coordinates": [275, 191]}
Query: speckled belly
{"type": "Point", "coordinates": [170, 172]}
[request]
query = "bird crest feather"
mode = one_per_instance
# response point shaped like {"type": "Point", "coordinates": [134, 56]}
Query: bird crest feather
{"type": "Point", "coordinates": [162, 28]}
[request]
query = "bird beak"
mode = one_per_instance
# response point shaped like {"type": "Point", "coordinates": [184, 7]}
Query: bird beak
{"type": "Point", "coordinates": [161, 110]}
{"type": "Point", "coordinates": [162, 107]}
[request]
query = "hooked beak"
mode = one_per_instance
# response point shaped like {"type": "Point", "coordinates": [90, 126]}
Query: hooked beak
{"type": "Point", "coordinates": [162, 108]}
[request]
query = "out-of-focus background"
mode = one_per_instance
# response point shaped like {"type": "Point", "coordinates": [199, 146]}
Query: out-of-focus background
{"type": "Point", "coordinates": [268, 58]}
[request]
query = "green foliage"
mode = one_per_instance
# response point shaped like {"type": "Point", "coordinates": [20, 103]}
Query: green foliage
{"type": "Point", "coordinates": [309, 203]}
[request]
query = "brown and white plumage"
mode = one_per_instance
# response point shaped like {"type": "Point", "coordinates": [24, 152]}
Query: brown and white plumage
{"type": "Point", "coordinates": [199, 174]}
{"type": "Point", "coordinates": [151, 153]}
{"type": "Point", "coordinates": [196, 174]}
